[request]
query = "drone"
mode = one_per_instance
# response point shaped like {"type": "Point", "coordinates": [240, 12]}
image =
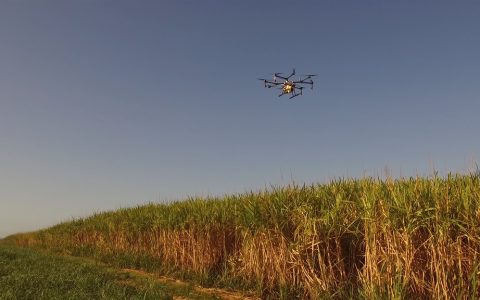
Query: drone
{"type": "Point", "coordinates": [295, 88]}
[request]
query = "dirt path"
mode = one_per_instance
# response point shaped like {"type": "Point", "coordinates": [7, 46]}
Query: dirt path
{"type": "Point", "coordinates": [216, 292]}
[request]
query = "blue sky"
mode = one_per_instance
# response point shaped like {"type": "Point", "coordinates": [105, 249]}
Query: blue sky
{"type": "Point", "coordinates": [108, 104]}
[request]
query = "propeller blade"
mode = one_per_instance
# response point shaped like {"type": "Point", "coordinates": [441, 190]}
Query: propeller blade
{"type": "Point", "coordinates": [303, 82]}
{"type": "Point", "coordinates": [293, 73]}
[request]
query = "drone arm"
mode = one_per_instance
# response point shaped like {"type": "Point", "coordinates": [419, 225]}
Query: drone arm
{"type": "Point", "coordinates": [293, 73]}
{"type": "Point", "coordinates": [303, 80]}
{"type": "Point", "coordinates": [270, 85]}
{"type": "Point", "coordinates": [294, 95]}
{"type": "Point", "coordinates": [281, 77]}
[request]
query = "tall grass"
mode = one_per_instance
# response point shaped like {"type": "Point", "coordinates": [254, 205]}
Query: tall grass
{"type": "Point", "coordinates": [366, 238]}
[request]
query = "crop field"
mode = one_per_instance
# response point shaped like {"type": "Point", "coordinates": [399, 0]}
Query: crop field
{"type": "Point", "coordinates": [351, 238]}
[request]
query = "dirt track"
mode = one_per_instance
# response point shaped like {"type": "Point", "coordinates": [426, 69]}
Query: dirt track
{"type": "Point", "coordinates": [219, 293]}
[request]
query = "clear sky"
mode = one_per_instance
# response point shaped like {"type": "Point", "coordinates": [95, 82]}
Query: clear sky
{"type": "Point", "coordinates": [108, 104]}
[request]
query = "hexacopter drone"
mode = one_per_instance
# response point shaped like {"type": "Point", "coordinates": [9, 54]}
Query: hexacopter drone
{"type": "Point", "coordinates": [289, 86]}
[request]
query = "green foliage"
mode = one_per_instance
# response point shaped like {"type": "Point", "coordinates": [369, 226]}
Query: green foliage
{"type": "Point", "coordinates": [371, 237]}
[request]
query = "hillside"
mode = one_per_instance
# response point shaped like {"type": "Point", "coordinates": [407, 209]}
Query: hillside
{"type": "Point", "coordinates": [365, 238]}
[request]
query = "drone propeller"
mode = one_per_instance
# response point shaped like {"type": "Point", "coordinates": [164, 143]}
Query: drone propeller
{"type": "Point", "coordinates": [269, 84]}
{"type": "Point", "coordinates": [294, 95]}
{"type": "Point", "coordinates": [277, 75]}
{"type": "Point", "coordinates": [291, 74]}
{"type": "Point", "coordinates": [303, 81]}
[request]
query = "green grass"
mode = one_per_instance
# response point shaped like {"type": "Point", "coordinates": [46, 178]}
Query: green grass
{"type": "Point", "coordinates": [28, 274]}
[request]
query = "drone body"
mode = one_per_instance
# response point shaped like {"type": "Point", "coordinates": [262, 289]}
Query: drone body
{"type": "Point", "coordinates": [295, 88]}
